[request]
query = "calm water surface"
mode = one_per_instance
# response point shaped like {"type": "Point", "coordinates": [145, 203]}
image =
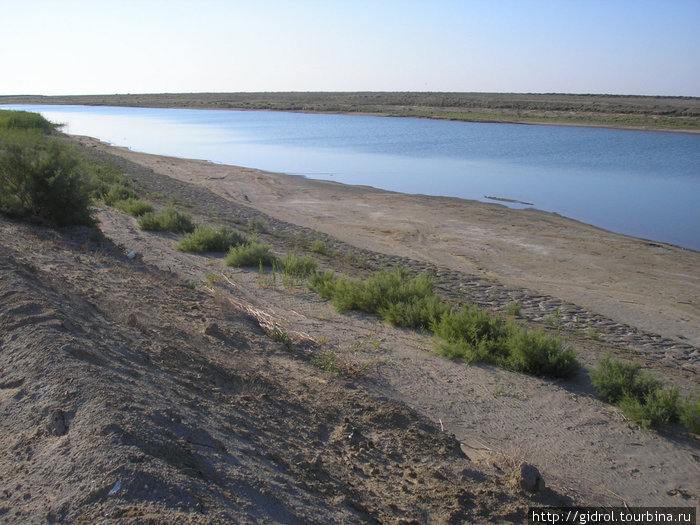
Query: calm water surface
{"type": "Point", "coordinates": [644, 184]}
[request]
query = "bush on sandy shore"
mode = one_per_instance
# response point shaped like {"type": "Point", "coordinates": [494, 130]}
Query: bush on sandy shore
{"type": "Point", "coordinates": [539, 354]}
{"type": "Point", "coordinates": [399, 300]}
{"type": "Point", "coordinates": [207, 239]}
{"type": "Point", "coordinates": [298, 265]}
{"type": "Point", "coordinates": [614, 380]}
{"type": "Point", "coordinates": [41, 178]}
{"type": "Point", "coordinates": [471, 334]}
{"type": "Point", "coordinates": [642, 398]}
{"type": "Point", "coordinates": [655, 409]}
{"type": "Point", "coordinates": [44, 179]}
{"type": "Point", "coordinates": [250, 255]}
{"type": "Point", "coordinates": [168, 220]}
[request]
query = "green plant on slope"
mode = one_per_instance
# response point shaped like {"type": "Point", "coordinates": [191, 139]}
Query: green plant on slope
{"type": "Point", "coordinates": [41, 179]}
{"type": "Point", "coordinates": [250, 255]}
{"type": "Point", "coordinates": [168, 220]}
{"type": "Point", "coordinates": [297, 265]}
{"type": "Point", "coordinates": [207, 239]}
{"type": "Point", "coordinates": [134, 206]}
{"type": "Point", "coordinates": [614, 380]}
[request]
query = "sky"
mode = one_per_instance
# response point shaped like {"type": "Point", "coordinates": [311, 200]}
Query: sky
{"type": "Point", "coordinates": [74, 47]}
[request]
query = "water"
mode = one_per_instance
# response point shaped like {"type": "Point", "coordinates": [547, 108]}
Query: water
{"type": "Point", "coordinates": [644, 184]}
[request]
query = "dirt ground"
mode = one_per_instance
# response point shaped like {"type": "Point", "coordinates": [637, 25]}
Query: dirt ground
{"type": "Point", "coordinates": [149, 390]}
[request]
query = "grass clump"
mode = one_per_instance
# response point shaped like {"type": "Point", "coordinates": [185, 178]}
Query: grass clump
{"type": "Point", "coordinates": [323, 283]}
{"type": "Point", "coordinates": [298, 266]}
{"type": "Point", "coordinates": [476, 335]}
{"type": "Point", "coordinates": [539, 354]}
{"type": "Point", "coordinates": [134, 207]}
{"type": "Point", "coordinates": [119, 191]}
{"type": "Point", "coordinates": [399, 300]}
{"type": "Point", "coordinates": [642, 398]}
{"type": "Point", "coordinates": [471, 334]}
{"type": "Point", "coordinates": [250, 255]}
{"type": "Point", "coordinates": [655, 409]}
{"type": "Point", "coordinates": [513, 308]}
{"type": "Point", "coordinates": [168, 220]}
{"type": "Point", "coordinates": [11, 119]}
{"type": "Point", "coordinates": [257, 224]}
{"type": "Point", "coordinates": [318, 246]}
{"type": "Point", "coordinates": [207, 239]}
{"type": "Point", "coordinates": [614, 380]}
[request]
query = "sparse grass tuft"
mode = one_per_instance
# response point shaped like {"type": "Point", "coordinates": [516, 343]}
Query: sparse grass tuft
{"type": "Point", "coordinates": [257, 224]}
{"type": "Point", "coordinates": [207, 239]}
{"type": "Point", "coordinates": [513, 308]}
{"type": "Point", "coordinates": [327, 360]}
{"type": "Point", "coordinates": [318, 246]}
{"type": "Point", "coordinates": [134, 207]}
{"type": "Point", "coordinates": [168, 220]}
{"type": "Point", "coordinates": [280, 336]}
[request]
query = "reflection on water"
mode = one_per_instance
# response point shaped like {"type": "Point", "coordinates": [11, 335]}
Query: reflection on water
{"type": "Point", "coordinates": [639, 183]}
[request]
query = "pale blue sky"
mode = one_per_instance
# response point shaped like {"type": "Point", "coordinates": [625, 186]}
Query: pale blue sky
{"type": "Point", "coordinates": [143, 46]}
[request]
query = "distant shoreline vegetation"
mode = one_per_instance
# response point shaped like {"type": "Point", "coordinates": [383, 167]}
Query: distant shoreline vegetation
{"type": "Point", "coordinates": [615, 111]}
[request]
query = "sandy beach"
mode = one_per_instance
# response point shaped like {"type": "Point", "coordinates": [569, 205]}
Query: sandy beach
{"type": "Point", "coordinates": [154, 386]}
{"type": "Point", "coordinates": [639, 298]}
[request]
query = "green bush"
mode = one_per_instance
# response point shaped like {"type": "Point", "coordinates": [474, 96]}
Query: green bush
{"type": "Point", "coordinates": [257, 224]}
{"type": "Point", "coordinates": [539, 354]}
{"type": "Point", "coordinates": [414, 312]}
{"type": "Point", "coordinates": [398, 299]}
{"type": "Point", "coordinates": [248, 255]}
{"type": "Point", "coordinates": [118, 192]}
{"type": "Point", "coordinates": [513, 308]}
{"type": "Point", "coordinates": [298, 266]}
{"type": "Point", "coordinates": [168, 220]}
{"type": "Point", "coordinates": [689, 413]}
{"type": "Point", "coordinates": [655, 409]}
{"type": "Point", "coordinates": [318, 246]}
{"type": "Point", "coordinates": [642, 397]}
{"type": "Point", "coordinates": [323, 283]}
{"type": "Point", "coordinates": [614, 380]}
{"type": "Point", "coordinates": [41, 178]}
{"type": "Point", "coordinates": [134, 207]}
{"type": "Point", "coordinates": [471, 324]}
{"type": "Point", "coordinates": [208, 239]}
